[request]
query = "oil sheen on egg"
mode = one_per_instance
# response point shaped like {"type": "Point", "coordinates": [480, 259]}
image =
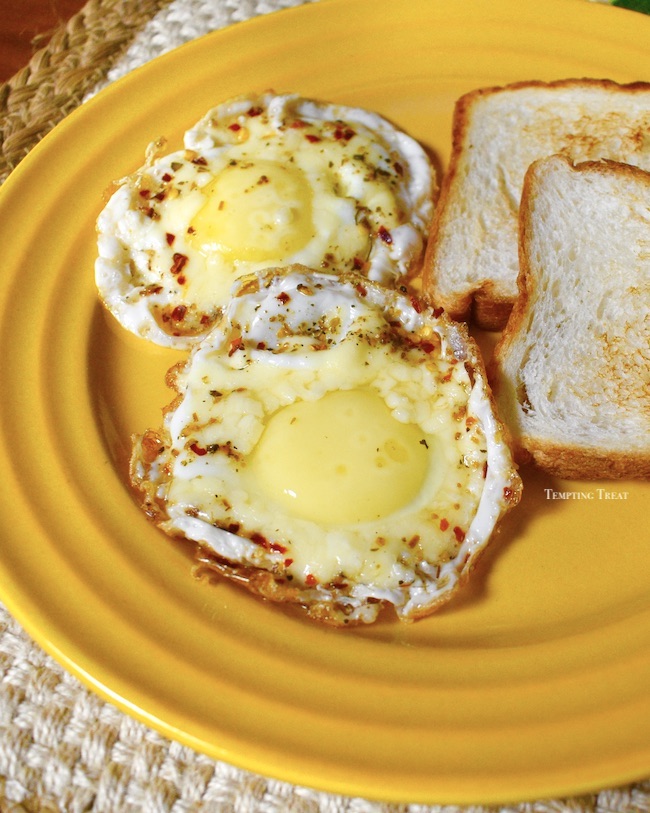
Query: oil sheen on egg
{"type": "Point", "coordinates": [332, 444]}
{"type": "Point", "coordinates": [262, 181]}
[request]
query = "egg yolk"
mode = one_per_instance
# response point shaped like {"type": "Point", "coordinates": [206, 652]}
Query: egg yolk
{"type": "Point", "coordinates": [254, 211]}
{"type": "Point", "coordinates": [341, 459]}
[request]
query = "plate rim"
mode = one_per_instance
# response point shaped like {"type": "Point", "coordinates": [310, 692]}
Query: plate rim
{"type": "Point", "coordinates": [49, 644]}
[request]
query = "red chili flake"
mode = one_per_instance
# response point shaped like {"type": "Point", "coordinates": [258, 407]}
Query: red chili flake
{"type": "Point", "coordinates": [261, 345]}
{"type": "Point", "coordinates": [357, 264]}
{"type": "Point", "coordinates": [444, 524]}
{"type": "Point", "coordinates": [255, 111]}
{"type": "Point", "coordinates": [459, 533]}
{"type": "Point", "coordinates": [313, 139]}
{"type": "Point", "coordinates": [169, 237]}
{"type": "Point", "coordinates": [508, 493]}
{"type": "Point", "coordinates": [199, 450]}
{"type": "Point", "coordinates": [145, 193]}
{"type": "Point", "coordinates": [399, 169]}
{"type": "Point", "coordinates": [311, 580]}
{"type": "Point", "coordinates": [406, 341]}
{"type": "Point", "coordinates": [298, 124]}
{"type": "Point", "coordinates": [179, 262]}
{"type": "Point", "coordinates": [233, 527]}
{"type": "Point", "coordinates": [361, 290]}
{"type": "Point", "coordinates": [385, 235]}
{"type": "Point", "coordinates": [178, 314]}
{"type": "Point", "coordinates": [437, 312]}
{"type": "Point", "coordinates": [418, 307]}
{"type": "Point", "coordinates": [167, 177]}
{"type": "Point", "coordinates": [288, 562]}
{"type": "Point", "coordinates": [234, 127]}
{"type": "Point", "coordinates": [344, 133]}
{"type": "Point", "coordinates": [263, 542]}
{"type": "Point", "coordinates": [151, 289]}
{"type": "Point", "coordinates": [235, 345]}
{"type": "Point", "coordinates": [200, 161]}
{"type": "Point", "coordinates": [283, 297]}
{"type": "Point", "coordinates": [180, 279]}
{"type": "Point", "coordinates": [205, 319]}
{"type": "Point", "coordinates": [427, 347]}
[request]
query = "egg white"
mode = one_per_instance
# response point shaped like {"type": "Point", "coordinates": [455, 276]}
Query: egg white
{"type": "Point", "coordinates": [262, 181]}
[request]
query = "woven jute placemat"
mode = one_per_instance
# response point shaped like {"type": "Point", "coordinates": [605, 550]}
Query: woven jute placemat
{"type": "Point", "coordinates": [62, 748]}
{"type": "Point", "coordinates": [76, 59]}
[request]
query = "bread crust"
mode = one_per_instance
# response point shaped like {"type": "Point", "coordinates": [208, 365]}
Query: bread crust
{"type": "Point", "coordinates": [487, 302]}
{"type": "Point", "coordinates": [574, 463]}
{"type": "Point", "coordinates": [558, 458]}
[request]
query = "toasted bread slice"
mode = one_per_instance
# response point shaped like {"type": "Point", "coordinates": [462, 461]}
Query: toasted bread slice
{"type": "Point", "coordinates": [571, 371]}
{"type": "Point", "coordinates": [471, 264]}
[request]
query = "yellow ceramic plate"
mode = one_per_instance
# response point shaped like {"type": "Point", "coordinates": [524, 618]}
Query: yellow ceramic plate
{"type": "Point", "coordinates": [535, 682]}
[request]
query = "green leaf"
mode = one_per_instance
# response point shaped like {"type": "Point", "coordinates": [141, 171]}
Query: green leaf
{"type": "Point", "coordinates": [635, 5]}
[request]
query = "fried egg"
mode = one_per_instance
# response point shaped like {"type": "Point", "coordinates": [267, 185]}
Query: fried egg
{"type": "Point", "coordinates": [262, 181]}
{"type": "Point", "coordinates": [332, 443]}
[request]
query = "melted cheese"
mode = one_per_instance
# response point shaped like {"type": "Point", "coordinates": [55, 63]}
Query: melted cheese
{"type": "Point", "coordinates": [257, 212]}
{"type": "Point", "coordinates": [340, 459]}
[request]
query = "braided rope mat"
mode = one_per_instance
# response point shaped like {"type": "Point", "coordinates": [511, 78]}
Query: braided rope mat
{"type": "Point", "coordinates": [62, 748]}
{"type": "Point", "coordinates": [58, 76]}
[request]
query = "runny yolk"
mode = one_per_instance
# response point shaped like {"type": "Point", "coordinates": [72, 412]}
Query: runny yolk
{"type": "Point", "coordinates": [255, 211]}
{"type": "Point", "coordinates": [340, 459]}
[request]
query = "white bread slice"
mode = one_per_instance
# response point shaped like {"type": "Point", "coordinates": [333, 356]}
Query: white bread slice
{"type": "Point", "coordinates": [471, 263]}
{"type": "Point", "coordinates": [571, 372]}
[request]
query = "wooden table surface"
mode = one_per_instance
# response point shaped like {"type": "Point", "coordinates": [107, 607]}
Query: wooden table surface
{"type": "Point", "coordinates": [25, 26]}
